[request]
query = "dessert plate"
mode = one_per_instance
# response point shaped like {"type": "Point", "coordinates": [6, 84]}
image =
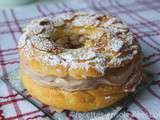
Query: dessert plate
{"type": "Point", "coordinates": [117, 111]}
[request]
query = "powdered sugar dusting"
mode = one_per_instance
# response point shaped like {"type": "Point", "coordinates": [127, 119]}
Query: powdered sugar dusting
{"type": "Point", "coordinates": [33, 29]}
{"type": "Point", "coordinates": [22, 40]}
{"type": "Point", "coordinates": [66, 16]}
{"type": "Point", "coordinates": [42, 27]}
{"type": "Point", "coordinates": [100, 68]}
{"type": "Point", "coordinates": [109, 22]}
{"type": "Point", "coordinates": [50, 59]}
{"type": "Point", "coordinates": [120, 25]}
{"type": "Point", "coordinates": [76, 65]}
{"type": "Point", "coordinates": [130, 38]}
{"type": "Point", "coordinates": [27, 49]}
{"type": "Point", "coordinates": [115, 44]}
{"type": "Point", "coordinates": [58, 21]}
{"type": "Point", "coordinates": [39, 35]}
{"type": "Point", "coordinates": [95, 35]}
{"type": "Point", "coordinates": [115, 30]}
{"type": "Point", "coordinates": [79, 54]}
{"type": "Point", "coordinates": [119, 60]}
{"type": "Point", "coordinates": [85, 21]}
{"type": "Point", "coordinates": [42, 44]}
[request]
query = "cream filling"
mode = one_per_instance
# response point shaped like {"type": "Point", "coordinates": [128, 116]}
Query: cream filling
{"type": "Point", "coordinates": [130, 77]}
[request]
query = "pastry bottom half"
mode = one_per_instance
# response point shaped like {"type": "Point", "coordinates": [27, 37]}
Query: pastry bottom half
{"type": "Point", "coordinates": [82, 100]}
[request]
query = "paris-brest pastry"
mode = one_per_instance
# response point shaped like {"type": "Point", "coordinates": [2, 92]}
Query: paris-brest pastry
{"type": "Point", "coordinates": [79, 61]}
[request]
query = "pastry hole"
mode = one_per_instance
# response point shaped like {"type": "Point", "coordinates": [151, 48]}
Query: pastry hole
{"type": "Point", "coordinates": [70, 42]}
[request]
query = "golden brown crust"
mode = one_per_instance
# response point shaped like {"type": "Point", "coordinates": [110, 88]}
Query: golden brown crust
{"type": "Point", "coordinates": [77, 48]}
{"type": "Point", "coordinates": [83, 101]}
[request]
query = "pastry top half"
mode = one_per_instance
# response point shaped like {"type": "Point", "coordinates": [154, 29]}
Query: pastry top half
{"type": "Point", "coordinates": [78, 51]}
